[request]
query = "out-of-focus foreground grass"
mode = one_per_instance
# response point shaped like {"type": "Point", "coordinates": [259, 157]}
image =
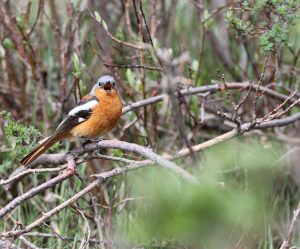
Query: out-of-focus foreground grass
{"type": "Point", "coordinates": [239, 203]}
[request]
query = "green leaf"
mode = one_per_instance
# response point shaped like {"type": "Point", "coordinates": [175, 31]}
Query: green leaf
{"type": "Point", "coordinates": [195, 65]}
{"type": "Point", "coordinates": [97, 16]}
{"type": "Point", "coordinates": [20, 20]}
{"type": "Point", "coordinates": [76, 61]}
{"type": "Point", "coordinates": [228, 15]}
{"type": "Point", "coordinates": [82, 86]}
{"type": "Point", "coordinates": [7, 43]}
{"type": "Point", "coordinates": [100, 20]}
{"type": "Point", "coordinates": [130, 76]}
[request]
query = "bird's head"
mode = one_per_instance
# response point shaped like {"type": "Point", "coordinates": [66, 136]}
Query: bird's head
{"type": "Point", "coordinates": [105, 84]}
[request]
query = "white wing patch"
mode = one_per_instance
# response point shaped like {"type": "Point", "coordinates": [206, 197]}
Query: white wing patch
{"type": "Point", "coordinates": [83, 107]}
{"type": "Point", "coordinates": [78, 114]}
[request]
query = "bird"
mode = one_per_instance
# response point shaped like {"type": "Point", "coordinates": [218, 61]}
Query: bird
{"type": "Point", "coordinates": [94, 115]}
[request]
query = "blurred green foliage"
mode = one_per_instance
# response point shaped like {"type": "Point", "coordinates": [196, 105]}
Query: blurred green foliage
{"type": "Point", "coordinates": [233, 199]}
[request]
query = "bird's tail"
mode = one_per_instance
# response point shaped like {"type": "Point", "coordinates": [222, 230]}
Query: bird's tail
{"type": "Point", "coordinates": [47, 143]}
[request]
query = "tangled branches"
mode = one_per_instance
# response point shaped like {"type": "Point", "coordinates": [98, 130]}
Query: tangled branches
{"type": "Point", "coordinates": [71, 158]}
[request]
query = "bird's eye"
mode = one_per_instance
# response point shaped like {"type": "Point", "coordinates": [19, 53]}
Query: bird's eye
{"type": "Point", "coordinates": [113, 83]}
{"type": "Point", "coordinates": [99, 84]}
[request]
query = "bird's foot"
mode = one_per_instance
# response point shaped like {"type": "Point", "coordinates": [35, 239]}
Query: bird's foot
{"type": "Point", "coordinates": [91, 140]}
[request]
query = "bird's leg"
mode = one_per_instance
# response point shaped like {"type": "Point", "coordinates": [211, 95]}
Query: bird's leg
{"type": "Point", "coordinates": [88, 140]}
{"type": "Point", "coordinates": [96, 140]}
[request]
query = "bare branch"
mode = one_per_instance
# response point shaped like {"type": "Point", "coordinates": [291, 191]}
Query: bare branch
{"type": "Point", "coordinates": [211, 89]}
{"type": "Point", "coordinates": [257, 92]}
{"type": "Point", "coordinates": [28, 171]}
{"type": "Point", "coordinates": [242, 129]}
{"type": "Point", "coordinates": [36, 190]}
{"type": "Point", "coordinates": [143, 151]}
{"type": "Point", "coordinates": [114, 38]}
{"type": "Point", "coordinates": [286, 243]}
{"type": "Point", "coordinates": [134, 66]}
{"type": "Point", "coordinates": [100, 178]}
{"type": "Point", "coordinates": [6, 243]}
{"type": "Point", "coordinates": [28, 243]}
{"type": "Point", "coordinates": [52, 212]}
{"type": "Point", "coordinates": [49, 235]}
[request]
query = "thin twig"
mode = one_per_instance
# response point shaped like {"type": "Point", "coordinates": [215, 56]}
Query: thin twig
{"type": "Point", "coordinates": [87, 237]}
{"type": "Point", "coordinates": [36, 190]}
{"type": "Point", "coordinates": [52, 212]}
{"type": "Point", "coordinates": [286, 243]}
{"type": "Point", "coordinates": [114, 38]}
{"type": "Point", "coordinates": [273, 114]}
{"type": "Point", "coordinates": [106, 157]}
{"type": "Point", "coordinates": [28, 243]}
{"type": "Point", "coordinates": [28, 171]}
{"type": "Point", "coordinates": [41, 6]}
{"type": "Point", "coordinates": [146, 152]}
{"type": "Point", "coordinates": [257, 92]}
{"type": "Point", "coordinates": [209, 89]}
{"type": "Point", "coordinates": [133, 66]}
{"type": "Point", "coordinates": [49, 235]}
{"type": "Point", "coordinates": [149, 35]}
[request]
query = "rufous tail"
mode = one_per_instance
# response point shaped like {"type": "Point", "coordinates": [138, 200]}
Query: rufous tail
{"type": "Point", "coordinates": [39, 150]}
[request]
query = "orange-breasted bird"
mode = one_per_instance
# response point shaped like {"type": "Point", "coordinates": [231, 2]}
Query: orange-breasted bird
{"type": "Point", "coordinates": [95, 114]}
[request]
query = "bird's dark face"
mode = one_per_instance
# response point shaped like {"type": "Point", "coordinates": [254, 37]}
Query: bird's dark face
{"type": "Point", "coordinates": [106, 84]}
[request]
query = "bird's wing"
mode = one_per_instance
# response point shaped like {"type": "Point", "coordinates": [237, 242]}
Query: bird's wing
{"type": "Point", "coordinates": [78, 114]}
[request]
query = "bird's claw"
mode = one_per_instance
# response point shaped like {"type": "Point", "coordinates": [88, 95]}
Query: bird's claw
{"type": "Point", "coordinates": [91, 140]}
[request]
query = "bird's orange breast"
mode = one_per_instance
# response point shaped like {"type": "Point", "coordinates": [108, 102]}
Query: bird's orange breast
{"type": "Point", "coordinates": [104, 117]}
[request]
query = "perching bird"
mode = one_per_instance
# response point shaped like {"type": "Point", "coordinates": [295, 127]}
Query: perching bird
{"type": "Point", "coordinates": [96, 113]}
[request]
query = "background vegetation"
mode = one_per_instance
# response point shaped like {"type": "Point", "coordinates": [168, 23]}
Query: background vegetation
{"type": "Point", "coordinates": [52, 52]}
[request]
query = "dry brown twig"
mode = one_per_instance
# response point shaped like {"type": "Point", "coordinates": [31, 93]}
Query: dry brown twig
{"type": "Point", "coordinates": [134, 66]}
{"type": "Point", "coordinates": [100, 178]}
{"type": "Point", "coordinates": [215, 11]}
{"type": "Point", "coordinates": [36, 190]}
{"type": "Point", "coordinates": [28, 243]}
{"type": "Point", "coordinates": [29, 171]}
{"type": "Point", "coordinates": [275, 114]}
{"type": "Point", "coordinates": [257, 92]}
{"type": "Point", "coordinates": [149, 35]}
{"type": "Point", "coordinates": [52, 212]}
{"type": "Point", "coordinates": [49, 235]}
{"type": "Point", "coordinates": [215, 87]}
{"type": "Point", "coordinates": [234, 117]}
{"type": "Point", "coordinates": [6, 243]}
{"type": "Point", "coordinates": [104, 26]}
{"type": "Point", "coordinates": [286, 243]}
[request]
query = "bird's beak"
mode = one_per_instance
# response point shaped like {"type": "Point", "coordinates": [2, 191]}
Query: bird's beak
{"type": "Point", "coordinates": [108, 87]}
